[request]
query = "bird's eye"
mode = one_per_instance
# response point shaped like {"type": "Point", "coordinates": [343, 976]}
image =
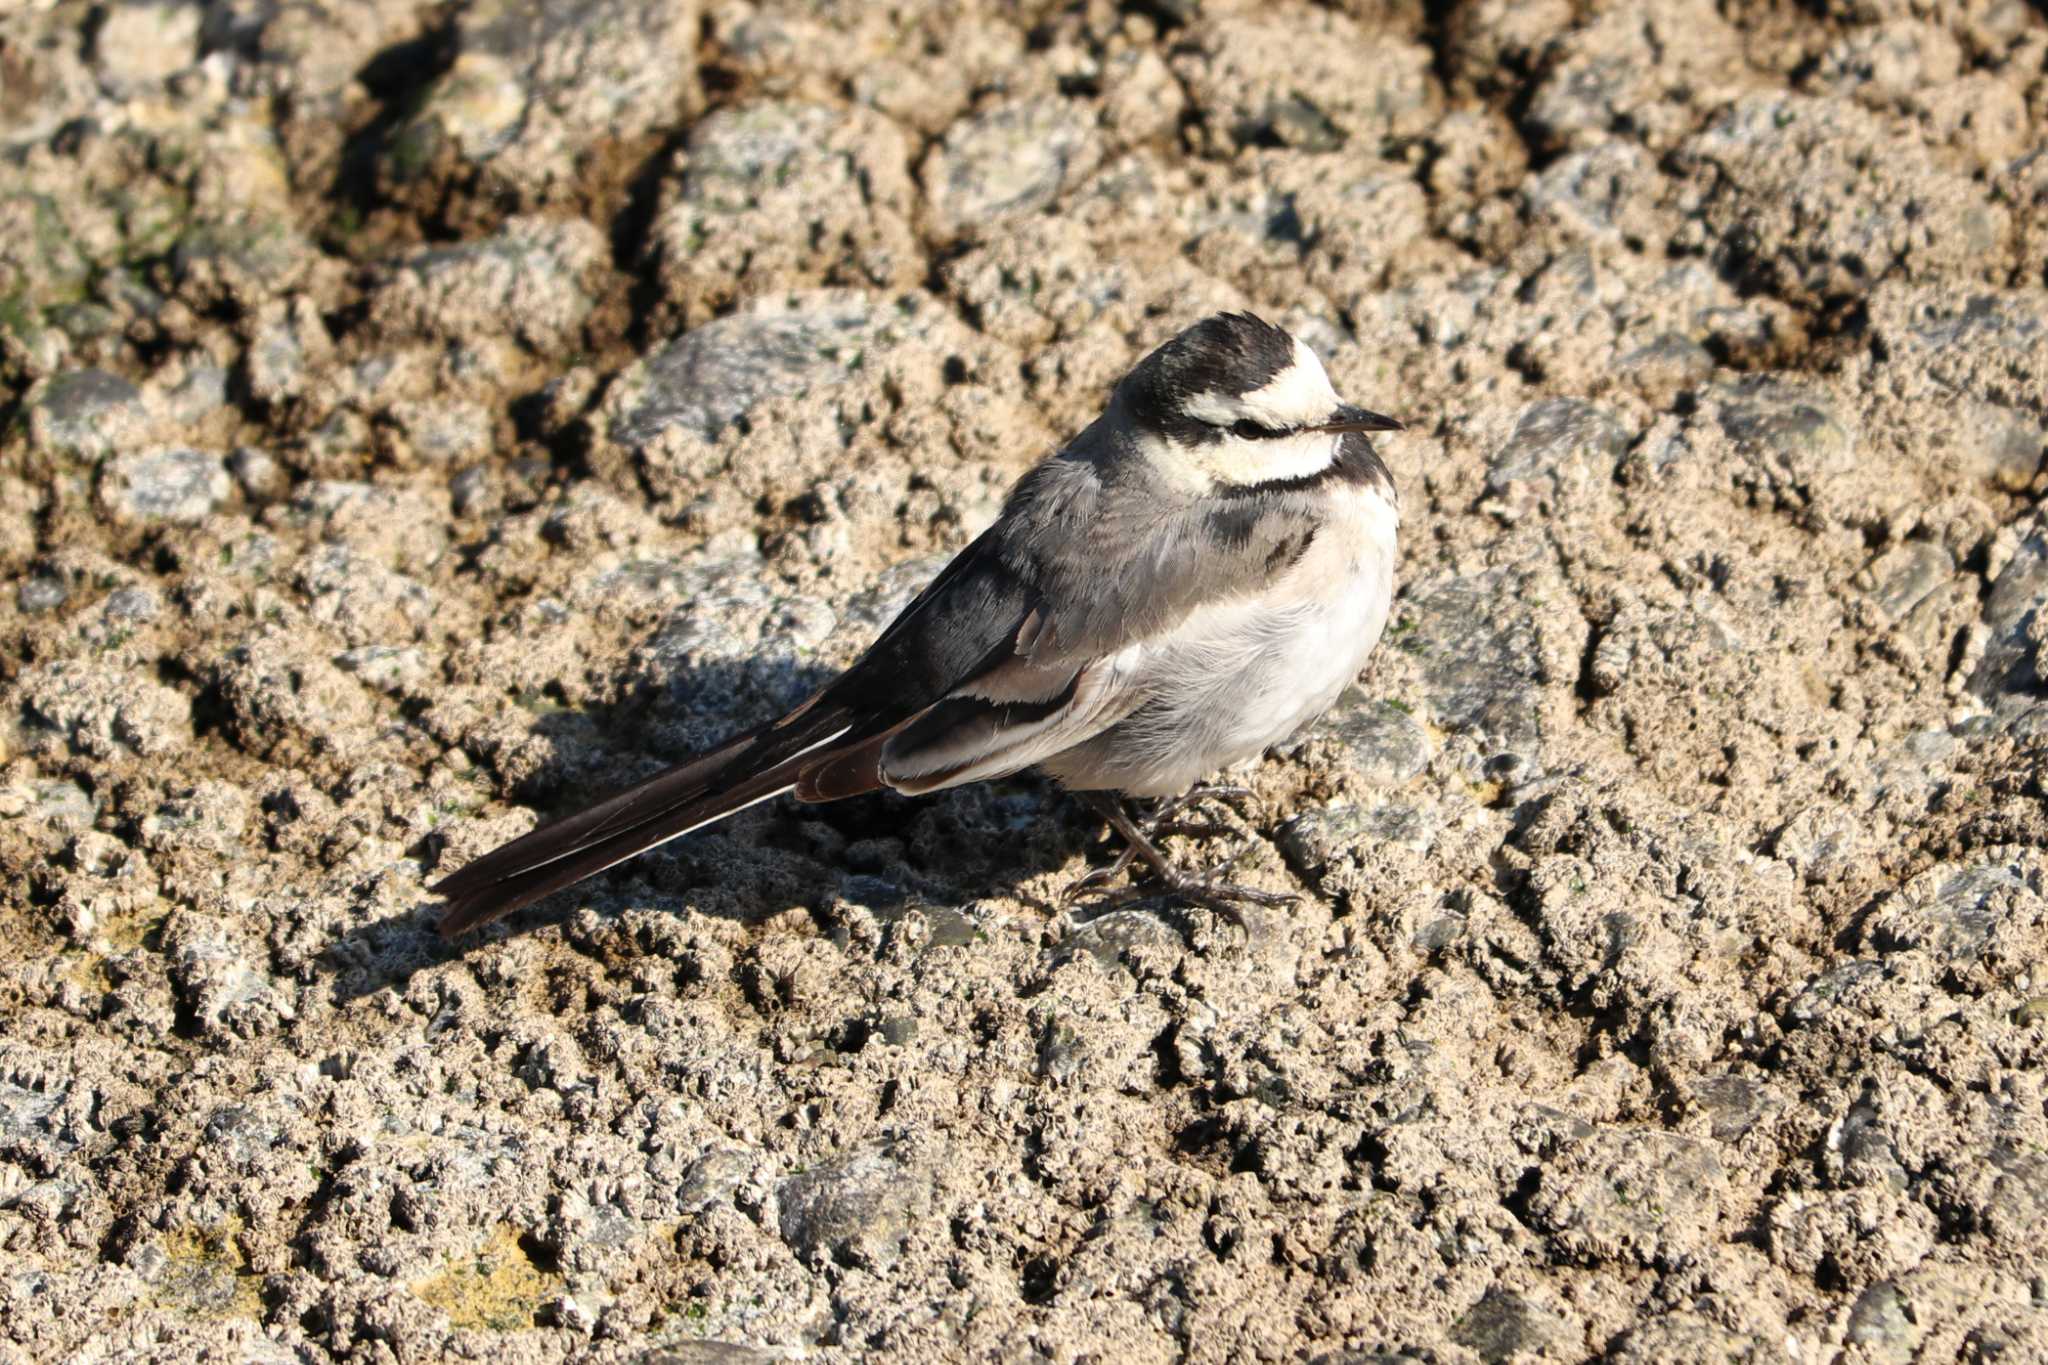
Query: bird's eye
{"type": "Point", "coordinates": [1246, 429]}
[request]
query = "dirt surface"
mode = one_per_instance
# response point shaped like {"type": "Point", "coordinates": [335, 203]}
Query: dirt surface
{"type": "Point", "coordinates": [421, 418]}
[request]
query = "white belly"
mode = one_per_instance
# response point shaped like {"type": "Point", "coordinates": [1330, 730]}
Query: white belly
{"type": "Point", "coordinates": [1238, 677]}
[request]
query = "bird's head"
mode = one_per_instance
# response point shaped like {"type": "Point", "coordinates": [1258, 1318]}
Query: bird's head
{"type": "Point", "coordinates": [1234, 402]}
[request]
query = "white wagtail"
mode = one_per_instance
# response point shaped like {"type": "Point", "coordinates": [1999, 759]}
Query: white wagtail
{"type": "Point", "coordinates": [1192, 579]}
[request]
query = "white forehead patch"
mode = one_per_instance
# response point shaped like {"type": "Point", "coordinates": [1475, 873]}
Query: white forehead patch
{"type": "Point", "coordinates": [1298, 395]}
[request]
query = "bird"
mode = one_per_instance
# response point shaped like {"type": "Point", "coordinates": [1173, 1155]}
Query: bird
{"type": "Point", "coordinates": [1190, 580]}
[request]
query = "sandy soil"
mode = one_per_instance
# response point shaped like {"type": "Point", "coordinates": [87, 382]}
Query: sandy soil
{"type": "Point", "coordinates": [415, 419]}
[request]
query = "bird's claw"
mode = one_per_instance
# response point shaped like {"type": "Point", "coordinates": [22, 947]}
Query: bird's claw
{"type": "Point", "coordinates": [1101, 876]}
{"type": "Point", "coordinates": [1206, 890]}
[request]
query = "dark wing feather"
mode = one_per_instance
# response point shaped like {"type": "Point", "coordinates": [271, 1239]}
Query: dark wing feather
{"type": "Point", "coordinates": [709, 787]}
{"type": "Point", "coordinates": [827, 748]}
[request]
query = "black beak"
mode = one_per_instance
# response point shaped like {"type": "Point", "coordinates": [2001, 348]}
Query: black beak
{"type": "Point", "coordinates": [1348, 418]}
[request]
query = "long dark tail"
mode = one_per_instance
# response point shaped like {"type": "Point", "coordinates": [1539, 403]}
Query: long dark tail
{"type": "Point", "coordinates": [710, 787]}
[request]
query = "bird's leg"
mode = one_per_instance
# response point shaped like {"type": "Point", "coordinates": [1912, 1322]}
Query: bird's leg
{"type": "Point", "coordinates": [1203, 890]}
{"type": "Point", "coordinates": [1135, 842]}
{"type": "Point", "coordinates": [1163, 819]}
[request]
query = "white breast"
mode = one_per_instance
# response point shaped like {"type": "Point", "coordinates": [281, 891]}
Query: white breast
{"type": "Point", "coordinates": [1242, 675]}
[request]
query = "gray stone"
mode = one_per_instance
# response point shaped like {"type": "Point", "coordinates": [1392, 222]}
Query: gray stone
{"type": "Point", "coordinates": [2016, 1202]}
{"type": "Point", "coordinates": [167, 484]}
{"type": "Point", "coordinates": [1791, 431]}
{"type": "Point", "coordinates": [102, 711]}
{"type": "Point", "coordinates": [713, 1179]}
{"type": "Point", "coordinates": [132, 604]}
{"type": "Point", "coordinates": [1476, 641]}
{"type": "Point", "coordinates": [711, 376]}
{"type": "Point", "coordinates": [388, 668]}
{"type": "Point", "coordinates": [2012, 616]}
{"type": "Point", "coordinates": [1558, 445]}
{"type": "Point", "coordinates": [1881, 1325]}
{"type": "Point", "coordinates": [2013, 325]}
{"type": "Point", "coordinates": [1014, 159]}
{"type": "Point", "coordinates": [1820, 198]}
{"type": "Point", "coordinates": [1953, 911]}
{"type": "Point", "coordinates": [778, 195]}
{"type": "Point", "coordinates": [1294, 122]}
{"type": "Point", "coordinates": [1118, 939]}
{"type": "Point", "coordinates": [1317, 838]}
{"type": "Point", "coordinates": [30, 1118]}
{"type": "Point", "coordinates": [88, 413]}
{"type": "Point", "coordinates": [1976, 362]}
{"type": "Point", "coordinates": [1827, 990]}
{"type": "Point", "coordinates": [534, 279]}
{"type": "Point", "coordinates": [1381, 738]}
{"type": "Point", "coordinates": [1440, 933]}
{"type": "Point", "coordinates": [1579, 99]}
{"type": "Point", "coordinates": [1823, 842]}
{"type": "Point", "coordinates": [1260, 77]}
{"type": "Point", "coordinates": [199, 395]}
{"type": "Point", "coordinates": [855, 1211]}
{"type": "Point", "coordinates": [715, 1353]}
{"type": "Point", "coordinates": [241, 1134]}
{"type": "Point", "coordinates": [1062, 1052]}
{"type": "Point", "coordinates": [2007, 453]}
{"type": "Point", "coordinates": [1636, 1195]}
{"type": "Point", "coordinates": [139, 46]}
{"type": "Point", "coordinates": [219, 987]}
{"type": "Point", "coordinates": [242, 261]}
{"type": "Point", "coordinates": [1668, 359]}
{"type": "Point", "coordinates": [258, 474]}
{"type": "Point", "coordinates": [41, 594]}
{"type": "Point", "coordinates": [1906, 573]}
{"type": "Point", "coordinates": [1603, 194]}
{"type": "Point", "coordinates": [1734, 1105]}
{"type": "Point", "coordinates": [1689, 1336]}
{"type": "Point", "coordinates": [59, 806]}
{"type": "Point", "coordinates": [1506, 1326]}
{"type": "Point", "coordinates": [535, 84]}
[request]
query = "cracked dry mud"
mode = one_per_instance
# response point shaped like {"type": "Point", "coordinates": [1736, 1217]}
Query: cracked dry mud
{"type": "Point", "coordinates": [420, 418]}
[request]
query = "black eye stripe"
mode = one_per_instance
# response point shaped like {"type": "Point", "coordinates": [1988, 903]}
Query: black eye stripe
{"type": "Point", "coordinates": [1249, 430]}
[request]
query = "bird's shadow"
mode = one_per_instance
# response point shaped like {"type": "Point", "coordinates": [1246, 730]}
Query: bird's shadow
{"type": "Point", "coordinates": [882, 851]}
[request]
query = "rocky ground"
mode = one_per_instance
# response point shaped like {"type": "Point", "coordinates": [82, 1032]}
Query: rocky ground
{"type": "Point", "coordinates": [419, 418]}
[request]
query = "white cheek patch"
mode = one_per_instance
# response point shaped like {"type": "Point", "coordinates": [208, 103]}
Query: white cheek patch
{"type": "Point", "coordinates": [1297, 396]}
{"type": "Point", "coordinates": [1273, 459]}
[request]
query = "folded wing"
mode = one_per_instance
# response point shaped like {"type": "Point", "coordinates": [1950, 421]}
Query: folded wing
{"type": "Point", "coordinates": [1029, 642]}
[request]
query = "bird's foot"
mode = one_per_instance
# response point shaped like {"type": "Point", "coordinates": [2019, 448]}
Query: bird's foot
{"type": "Point", "coordinates": [1093, 882]}
{"type": "Point", "coordinates": [1206, 889]}
{"type": "Point", "coordinates": [1210, 891]}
